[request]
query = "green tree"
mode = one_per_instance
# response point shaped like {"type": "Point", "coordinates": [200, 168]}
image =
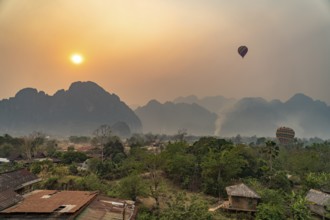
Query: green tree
{"type": "Point", "coordinates": [299, 209]}
{"type": "Point", "coordinates": [104, 170]}
{"type": "Point", "coordinates": [271, 150]}
{"type": "Point", "coordinates": [136, 162]}
{"type": "Point", "coordinates": [317, 181]}
{"type": "Point", "coordinates": [272, 206]}
{"type": "Point", "coordinates": [145, 214]}
{"type": "Point", "coordinates": [73, 169]}
{"type": "Point", "coordinates": [51, 147]}
{"type": "Point", "coordinates": [133, 186]}
{"type": "Point", "coordinates": [91, 182]}
{"type": "Point", "coordinates": [280, 181]}
{"type": "Point", "coordinates": [51, 183]}
{"type": "Point", "coordinates": [219, 168]}
{"type": "Point", "coordinates": [253, 164]}
{"type": "Point", "coordinates": [73, 156]}
{"type": "Point", "coordinates": [6, 150]}
{"type": "Point", "coordinates": [35, 167]}
{"type": "Point", "coordinates": [180, 208]}
{"type": "Point", "coordinates": [136, 140]}
{"type": "Point", "coordinates": [181, 167]}
{"type": "Point", "coordinates": [267, 211]}
{"type": "Point", "coordinates": [206, 144]}
{"type": "Point", "coordinates": [114, 149]}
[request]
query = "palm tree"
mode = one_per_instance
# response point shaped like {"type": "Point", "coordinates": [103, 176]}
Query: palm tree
{"type": "Point", "coordinates": [271, 150]}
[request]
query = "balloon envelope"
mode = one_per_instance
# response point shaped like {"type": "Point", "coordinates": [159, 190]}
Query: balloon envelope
{"type": "Point", "coordinates": [285, 135]}
{"type": "Point", "coordinates": [242, 50]}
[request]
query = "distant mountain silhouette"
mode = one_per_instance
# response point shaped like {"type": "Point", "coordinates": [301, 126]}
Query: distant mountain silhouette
{"type": "Point", "coordinates": [256, 116]}
{"type": "Point", "coordinates": [76, 111]}
{"type": "Point", "coordinates": [169, 117]}
{"type": "Point", "coordinates": [85, 106]}
{"type": "Point", "coordinates": [212, 103]}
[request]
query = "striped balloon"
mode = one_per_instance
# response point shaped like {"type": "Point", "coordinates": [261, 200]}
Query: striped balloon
{"type": "Point", "coordinates": [285, 135]}
{"type": "Point", "coordinates": [242, 50]}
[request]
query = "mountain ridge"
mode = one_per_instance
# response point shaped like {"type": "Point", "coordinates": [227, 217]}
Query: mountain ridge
{"type": "Point", "coordinates": [256, 116]}
{"type": "Point", "coordinates": [169, 117]}
{"type": "Point", "coordinates": [84, 106]}
{"type": "Point", "coordinates": [78, 110]}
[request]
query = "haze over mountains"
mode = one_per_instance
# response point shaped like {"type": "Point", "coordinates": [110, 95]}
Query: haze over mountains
{"type": "Point", "coordinates": [256, 116]}
{"type": "Point", "coordinates": [170, 117]}
{"type": "Point", "coordinates": [85, 106]}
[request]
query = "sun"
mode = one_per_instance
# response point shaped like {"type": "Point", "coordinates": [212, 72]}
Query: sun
{"type": "Point", "coordinates": [77, 58]}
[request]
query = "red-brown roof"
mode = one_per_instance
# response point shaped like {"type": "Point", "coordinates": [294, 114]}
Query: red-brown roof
{"type": "Point", "coordinates": [49, 201]}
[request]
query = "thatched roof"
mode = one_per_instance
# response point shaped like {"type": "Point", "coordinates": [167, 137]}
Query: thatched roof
{"type": "Point", "coordinates": [318, 197]}
{"type": "Point", "coordinates": [241, 190]}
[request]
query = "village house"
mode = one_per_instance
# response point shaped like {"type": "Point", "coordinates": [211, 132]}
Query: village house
{"type": "Point", "coordinates": [20, 181]}
{"type": "Point", "coordinates": [319, 202]}
{"type": "Point", "coordinates": [18, 201]}
{"type": "Point", "coordinates": [13, 185]}
{"type": "Point", "coordinates": [49, 204]}
{"type": "Point", "coordinates": [241, 198]}
{"type": "Point", "coordinates": [64, 205]}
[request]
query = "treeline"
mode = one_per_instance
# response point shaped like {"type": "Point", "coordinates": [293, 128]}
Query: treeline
{"type": "Point", "coordinates": [27, 147]}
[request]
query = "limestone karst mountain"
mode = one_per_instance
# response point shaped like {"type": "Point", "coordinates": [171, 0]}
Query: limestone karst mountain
{"type": "Point", "coordinates": [76, 111]}
{"type": "Point", "coordinates": [169, 117]}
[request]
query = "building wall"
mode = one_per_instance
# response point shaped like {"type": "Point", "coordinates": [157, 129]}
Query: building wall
{"type": "Point", "coordinates": [243, 203]}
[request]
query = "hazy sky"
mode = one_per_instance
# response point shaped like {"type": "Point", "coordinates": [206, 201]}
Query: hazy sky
{"type": "Point", "coordinates": [161, 49]}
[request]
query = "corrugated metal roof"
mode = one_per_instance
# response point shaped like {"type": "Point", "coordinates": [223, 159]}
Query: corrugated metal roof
{"type": "Point", "coordinates": [318, 197]}
{"type": "Point", "coordinates": [241, 190]}
{"type": "Point", "coordinates": [16, 179]}
{"type": "Point", "coordinates": [106, 208]}
{"type": "Point", "coordinates": [49, 201]}
{"type": "Point", "coordinates": [8, 198]}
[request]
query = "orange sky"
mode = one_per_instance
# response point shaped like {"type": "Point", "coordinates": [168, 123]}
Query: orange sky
{"type": "Point", "coordinates": [161, 49]}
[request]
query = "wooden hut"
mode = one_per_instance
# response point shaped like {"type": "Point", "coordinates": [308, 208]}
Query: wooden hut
{"type": "Point", "coordinates": [241, 198]}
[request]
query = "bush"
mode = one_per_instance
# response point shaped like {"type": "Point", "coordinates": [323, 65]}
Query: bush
{"type": "Point", "coordinates": [299, 209]}
{"type": "Point", "coordinates": [180, 208]}
{"type": "Point", "coordinates": [51, 183]}
{"type": "Point", "coordinates": [132, 186]}
{"type": "Point", "coordinates": [267, 211]}
{"type": "Point", "coordinates": [72, 156]}
{"type": "Point", "coordinates": [280, 181]}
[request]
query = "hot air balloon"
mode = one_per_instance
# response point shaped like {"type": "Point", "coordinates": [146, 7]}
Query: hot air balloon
{"type": "Point", "coordinates": [285, 135]}
{"type": "Point", "coordinates": [242, 50]}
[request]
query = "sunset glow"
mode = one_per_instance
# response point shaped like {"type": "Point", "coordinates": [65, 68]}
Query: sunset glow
{"type": "Point", "coordinates": [136, 49]}
{"type": "Point", "coordinates": [77, 59]}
